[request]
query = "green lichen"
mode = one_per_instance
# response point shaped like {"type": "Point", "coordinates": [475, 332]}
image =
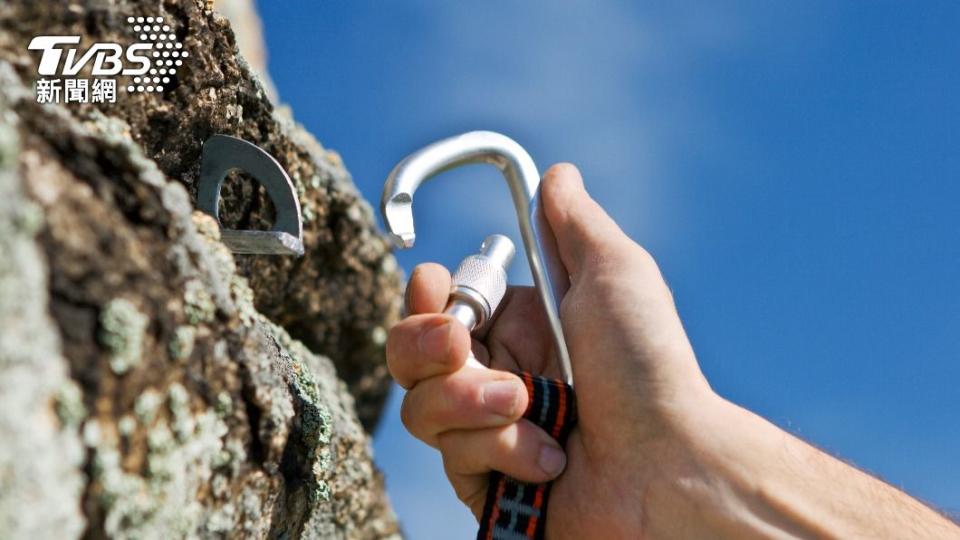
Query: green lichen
{"type": "Point", "coordinates": [126, 426]}
{"type": "Point", "coordinates": [316, 421]}
{"type": "Point", "coordinates": [9, 145]}
{"type": "Point", "coordinates": [308, 214]}
{"type": "Point", "coordinates": [243, 296]}
{"type": "Point", "coordinates": [69, 404]}
{"type": "Point", "coordinates": [315, 418]}
{"type": "Point", "coordinates": [299, 187]}
{"type": "Point", "coordinates": [117, 485]}
{"type": "Point", "coordinates": [222, 520]}
{"type": "Point", "coordinates": [91, 434]}
{"type": "Point", "coordinates": [181, 345]}
{"type": "Point", "coordinates": [355, 213]}
{"type": "Point", "coordinates": [199, 306]}
{"type": "Point", "coordinates": [146, 405]}
{"type": "Point", "coordinates": [179, 403]}
{"type": "Point", "coordinates": [28, 218]}
{"type": "Point", "coordinates": [222, 459]}
{"type": "Point", "coordinates": [320, 492]}
{"type": "Point", "coordinates": [160, 439]}
{"type": "Point", "coordinates": [220, 256]}
{"type": "Point", "coordinates": [224, 406]}
{"type": "Point", "coordinates": [236, 454]}
{"type": "Point", "coordinates": [220, 486]}
{"type": "Point", "coordinates": [378, 336]}
{"type": "Point", "coordinates": [206, 225]}
{"type": "Point", "coordinates": [307, 203]}
{"type": "Point", "coordinates": [179, 464]}
{"type": "Point", "coordinates": [388, 265]}
{"type": "Point", "coordinates": [163, 502]}
{"type": "Point", "coordinates": [179, 399]}
{"type": "Point", "coordinates": [122, 332]}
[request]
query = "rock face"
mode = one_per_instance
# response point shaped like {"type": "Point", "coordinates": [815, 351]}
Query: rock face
{"type": "Point", "coordinates": [152, 384]}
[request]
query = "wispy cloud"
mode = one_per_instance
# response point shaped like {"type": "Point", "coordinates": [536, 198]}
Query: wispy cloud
{"type": "Point", "coordinates": [602, 84]}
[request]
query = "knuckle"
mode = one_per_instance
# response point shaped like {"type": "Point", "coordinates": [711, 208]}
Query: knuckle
{"type": "Point", "coordinates": [407, 413]}
{"type": "Point", "coordinates": [561, 169]}
{"type": "Point", "coordinates": [466, 487]}
{"type": "Point", "coordinates": [552, 184]}
{"type": "Point", "coordinates": [613, 256]}
{"type": "Point", "coordinates": [430, 267]}
{"type": "Point", "coordinates": [471, 495]}
{"type": "Point", "coordinates": [644, 258]}
{"type": "Point", "coordinates": [446, 446]}
{"type": "Point", "coordinates": [444, 411]}
{"type": "Point", "coordinates": [507, 439]}
{"type": "Point", "coordinates": [437, 405]}
{"type": "Point", "coordinates": [408, 296]}
{"type": "Point", "coordinates": [460, 396]}
{"type": "Point", "coordinates": [391, 359]}
{"type": "Point", "coordinates": [391, 343]}
{"type": "Point", "coordinates": [393, 352]}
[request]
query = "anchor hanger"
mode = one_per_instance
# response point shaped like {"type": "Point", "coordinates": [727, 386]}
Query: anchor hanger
{"type": "Point", "coordinates": [222, 154]}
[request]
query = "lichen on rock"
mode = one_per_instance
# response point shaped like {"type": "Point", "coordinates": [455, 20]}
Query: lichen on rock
{"type": "Point", "coordinates": [122, 329]}
{"type": "Point", "coordinates": [152, 384]}
{"type": "Point", "coordinates": [40, 407]}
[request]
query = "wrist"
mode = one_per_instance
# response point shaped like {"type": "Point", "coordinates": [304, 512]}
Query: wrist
{"type": "Point", "coordinates": [721, 480]}
{"type": "Point", "coordinates": [748, 476]}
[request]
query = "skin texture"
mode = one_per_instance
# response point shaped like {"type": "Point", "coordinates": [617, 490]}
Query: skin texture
{"type": "Point", "coordinates": [656, 453]}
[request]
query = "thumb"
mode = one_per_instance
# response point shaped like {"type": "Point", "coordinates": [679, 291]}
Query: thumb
{"type": "Point", "coordinates": [583, 230]}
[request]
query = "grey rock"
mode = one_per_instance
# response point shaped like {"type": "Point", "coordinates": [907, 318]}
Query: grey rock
{"type": "Point", "coordinates": [152, 384]}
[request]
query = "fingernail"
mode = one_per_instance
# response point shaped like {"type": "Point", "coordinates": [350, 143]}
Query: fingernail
{"type": "Point", "coordinates": [501, 397]}
{"type": "Point", "coordinates": [408, 294]}
{"type": "Point", "coordinates": [552, 460]}
{"type": "Point", "coordinates": [435, 342]}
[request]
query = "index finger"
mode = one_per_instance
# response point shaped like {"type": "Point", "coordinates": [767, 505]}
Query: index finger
{"type": "Point", "coordinates": [422, 346]}
{"type": "Point", "coordinates": [428, 289]}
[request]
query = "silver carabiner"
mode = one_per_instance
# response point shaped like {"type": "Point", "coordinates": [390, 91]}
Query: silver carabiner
{"type": "Point", "coordinates": [523, 179]}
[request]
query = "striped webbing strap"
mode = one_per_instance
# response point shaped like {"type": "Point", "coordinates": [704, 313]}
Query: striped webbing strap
{"type": "Point", "coordinates": [516, 510]}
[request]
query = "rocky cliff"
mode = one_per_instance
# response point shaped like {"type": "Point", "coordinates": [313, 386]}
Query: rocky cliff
{"type": "Point", "coordinates": [152, 384]}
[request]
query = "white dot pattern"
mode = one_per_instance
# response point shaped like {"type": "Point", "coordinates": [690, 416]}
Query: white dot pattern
{"type": "Point", "coordinates": [167, 51]}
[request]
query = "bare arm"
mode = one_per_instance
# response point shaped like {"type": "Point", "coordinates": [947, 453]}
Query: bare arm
{"type": "Point", "coordinates": [756, 480]}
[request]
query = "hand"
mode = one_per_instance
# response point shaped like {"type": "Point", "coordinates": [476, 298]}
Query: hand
{"type": "Point", "coordinates": [656, 453]}
{"type": "Point", "coordinates": [636, 375]}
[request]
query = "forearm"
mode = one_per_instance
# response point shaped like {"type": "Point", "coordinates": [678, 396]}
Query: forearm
{"type": "Point", "coordinates": [762, 482]}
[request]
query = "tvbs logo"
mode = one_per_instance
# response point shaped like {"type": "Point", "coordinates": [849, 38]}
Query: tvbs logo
{"type": "Point", "coordinates": [151, 63]}
{"type": "Point", "coordinates": [107, 57]}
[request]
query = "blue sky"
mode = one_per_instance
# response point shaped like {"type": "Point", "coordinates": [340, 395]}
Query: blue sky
{"type": "Point", "coordinates": [794, 167]}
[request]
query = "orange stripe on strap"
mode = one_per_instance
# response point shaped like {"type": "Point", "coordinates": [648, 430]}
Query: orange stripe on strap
{"type": "Point", "coordinates": [528, 382]}
{"type": "Point", "coordinates": [561, 410]}
{"type": "Point", "coordinates": [501, 485]}
{"type": "Point", "coordinates": [537, 503]}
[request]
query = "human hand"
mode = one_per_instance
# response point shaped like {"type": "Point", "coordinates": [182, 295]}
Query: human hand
{"type": "Point", "coordinates": [655, 453]}
{"type": "Point", "coordinates": [637, 380]}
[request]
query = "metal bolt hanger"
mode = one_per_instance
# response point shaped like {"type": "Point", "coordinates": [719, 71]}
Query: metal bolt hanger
{"type": "Point", "coordinates": [223, 153]}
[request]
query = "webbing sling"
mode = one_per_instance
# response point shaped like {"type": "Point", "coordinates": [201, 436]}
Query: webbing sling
{"type": "Point", "coordinates": [517, 510]}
